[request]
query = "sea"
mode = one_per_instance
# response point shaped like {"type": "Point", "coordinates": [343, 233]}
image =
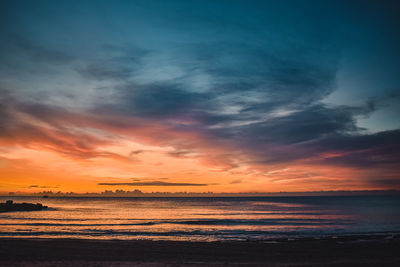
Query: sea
{"type": "Point", "coordinates": [204, 218]}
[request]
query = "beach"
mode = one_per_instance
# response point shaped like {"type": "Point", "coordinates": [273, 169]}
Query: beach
{"type": "Point", "coordinates": [381, 250]}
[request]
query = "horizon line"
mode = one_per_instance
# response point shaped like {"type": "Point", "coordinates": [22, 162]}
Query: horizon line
{"type": "Point", "coordinates": [138, 193]}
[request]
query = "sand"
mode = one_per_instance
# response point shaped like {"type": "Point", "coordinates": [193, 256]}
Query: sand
{"type": "Point", "coordinates": [342, 251]}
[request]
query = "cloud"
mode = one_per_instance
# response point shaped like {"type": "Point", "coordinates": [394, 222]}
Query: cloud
{"type": "Point", "coordinates": [38, 53]}
{"type": "Point", "coordinates": [385, 183]}
{"type": "Point", "coordinates": [121, 64]}
{"type": "Point", "coordinates": [104, 70]}
{"type": "Point", "coordinates": [42, 186]}
{"type": "Point", "coordinates": [153, 183]}
{"type": "Point", "coordinates": [51, 128]}
{"type": "Point", "coordinates": [137, 152]}
{"type": "Point", "coordinates": [159, 101]}
{"type": "Point", "coordinates": [362, 151]}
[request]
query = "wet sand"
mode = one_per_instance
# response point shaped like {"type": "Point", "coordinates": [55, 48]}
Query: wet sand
{"type": "Point", "coordinates": [342, 251]}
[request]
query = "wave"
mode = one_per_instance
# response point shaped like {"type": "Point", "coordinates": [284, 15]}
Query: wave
{"type": "Point", "coordinates": [97, 232]}
{"type": "Point", "coordinates": [13, 217]}
{"type": "Point", "coordinates": [230, 222]}
{"type": "Point", "coordinates": [219, 234]}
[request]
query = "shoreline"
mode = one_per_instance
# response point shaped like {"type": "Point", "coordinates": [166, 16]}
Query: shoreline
{"type": "Point", "coordinates": [334, 251]}
{"type": "Point", "coordinates": [342, 237]}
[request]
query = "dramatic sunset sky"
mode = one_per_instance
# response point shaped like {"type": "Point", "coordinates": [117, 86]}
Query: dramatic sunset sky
{"type": "Point", "coordinates": [223, 96]}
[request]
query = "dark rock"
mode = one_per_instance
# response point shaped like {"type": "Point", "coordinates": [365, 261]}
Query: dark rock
{"type": "Point", "coordinates": [11, 206]}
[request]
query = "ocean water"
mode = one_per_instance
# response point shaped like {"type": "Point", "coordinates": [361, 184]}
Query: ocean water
{"type": "Point", "coordinates": [203, 219]}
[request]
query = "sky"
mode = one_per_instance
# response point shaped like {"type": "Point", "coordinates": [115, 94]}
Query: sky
{"type": "Point", "coordinates": [222, 96]}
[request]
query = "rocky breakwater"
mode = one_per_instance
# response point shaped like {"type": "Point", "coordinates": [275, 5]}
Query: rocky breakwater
{"type": "Point", "coordinates": [11, 206]}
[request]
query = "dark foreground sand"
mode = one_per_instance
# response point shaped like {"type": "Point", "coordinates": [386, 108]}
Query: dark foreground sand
{"type": "Point", "coordinates": [342, 251]}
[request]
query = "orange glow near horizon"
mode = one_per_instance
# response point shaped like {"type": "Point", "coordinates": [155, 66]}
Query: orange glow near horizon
{"type": "Point", "coordinates": [39, 168]}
